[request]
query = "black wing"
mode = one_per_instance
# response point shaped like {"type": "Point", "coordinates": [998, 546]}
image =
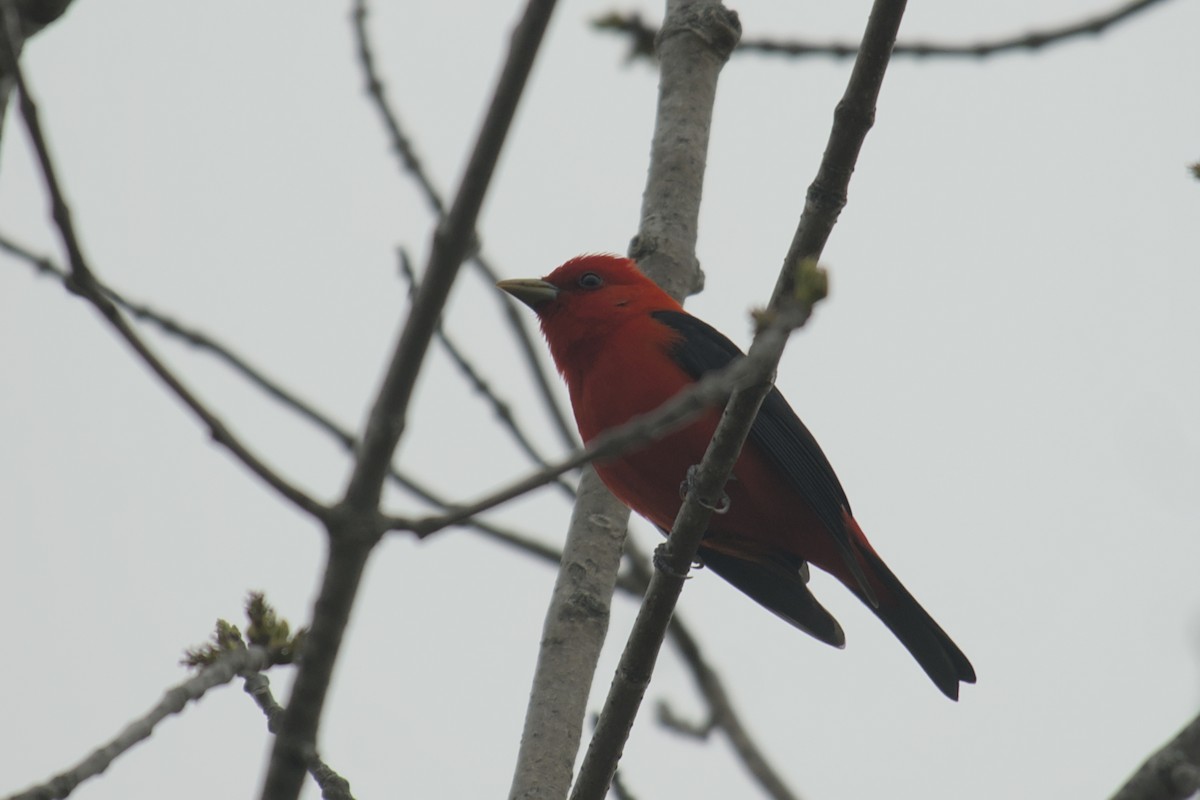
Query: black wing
{"type": "Point", "coordinates": [777, 432]}
{"type": "Point", "coordinates": [780, 585]}
{"type": "Point", "coordinates": [781, 588]}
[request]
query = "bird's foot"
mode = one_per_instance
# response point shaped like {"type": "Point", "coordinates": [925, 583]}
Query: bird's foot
{"type": "Point", "coordinates": [689, 482]}
{"type": "Point", "coordinates": [663, 564]}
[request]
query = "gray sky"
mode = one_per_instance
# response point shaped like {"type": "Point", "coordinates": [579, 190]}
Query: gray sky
{"type": "Point", "coordinates": [1004, 377]}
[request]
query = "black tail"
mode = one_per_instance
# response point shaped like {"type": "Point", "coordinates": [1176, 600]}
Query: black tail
{"type": "Point", "coordinates": [930, 646]}
{"type": "Point", "coordinates": [781, 588]}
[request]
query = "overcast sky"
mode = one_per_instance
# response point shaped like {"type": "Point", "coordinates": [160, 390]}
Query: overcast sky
{"type": "Point", "coordinates": [1005, 377]}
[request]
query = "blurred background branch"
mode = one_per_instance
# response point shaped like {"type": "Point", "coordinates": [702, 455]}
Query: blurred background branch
{"type": "Point", "coordinates": [641, 34]}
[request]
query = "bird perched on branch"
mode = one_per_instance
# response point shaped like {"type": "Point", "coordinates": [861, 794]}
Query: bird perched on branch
{"type": "Point", "coordinates": [624, 347]}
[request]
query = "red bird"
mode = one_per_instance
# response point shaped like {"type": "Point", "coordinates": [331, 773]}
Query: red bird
{"type": "Point", "coordinates": [624, 347]}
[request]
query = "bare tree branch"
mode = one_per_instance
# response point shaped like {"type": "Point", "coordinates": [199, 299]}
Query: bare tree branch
{"type": "Point", "coordinates": [82, 281]}
{"type": "Point", "coordinates": [197, 338]}
{"type": "Point", "coordinates": [693, 47]}
{"type": "Point", "coordinates": [714, 387]}
{"type": "Point", "coordinates": [25, 18]}
{"type": "Point", "coordinates": [228, 666]}
{"type": "Point", "coordinates": [723, 715]}
{"type": "Point", "coordinates": [451, 242]}
{"type": "Point", "coordinates": [572, 635]}
{"type": "Point", "coordinates": [355, 524]}
{"type": "Point", "coordinates": [333, 786]}
{"type": "Point", "coordinates": [500, 408]}
{"type": "Point", "coordinates": [1173, 773]}
{"type": "Point", "coordinates": [720, 710]}
{"type": "Point", "coordinates": [406, 153]}
{"type": "Point", "coordinates": [208, 343]}
{"type": "Point", "coordinates": [800, 285]}
{"type": "Point", "coordinates": [665, 245]}
{"type": "Point", "coordinates": [641, 38]}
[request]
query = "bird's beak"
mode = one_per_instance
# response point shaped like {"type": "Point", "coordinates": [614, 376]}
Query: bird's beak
{"type": "Point", "coordinates": [530, 291]}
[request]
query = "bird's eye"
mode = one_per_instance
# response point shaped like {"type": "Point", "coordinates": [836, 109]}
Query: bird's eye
{"type": "Point", "coordinates": [590, 280]}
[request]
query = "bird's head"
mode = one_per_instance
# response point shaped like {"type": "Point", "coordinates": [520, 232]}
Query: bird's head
{"type": "Point", "coordinates": [587, 299]}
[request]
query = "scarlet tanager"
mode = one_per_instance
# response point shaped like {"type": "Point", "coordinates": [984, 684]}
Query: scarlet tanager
{"type": "Point", "coordinates": [624, 347]}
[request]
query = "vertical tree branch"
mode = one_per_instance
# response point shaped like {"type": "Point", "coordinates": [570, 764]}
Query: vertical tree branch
{"type": "Point", "coordinates": [852, 119]}
{"type": "Point", "coordinates": [699, 43]}
{"type": "Point", "coordinates": [693, 45]}
{"type": "Point", "coordinates": [572, 635]}
{"type": "Point", "coordinates": [355, 524]}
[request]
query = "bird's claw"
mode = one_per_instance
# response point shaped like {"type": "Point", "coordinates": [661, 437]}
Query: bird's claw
{"type": "Point", "coordinates": [685, 488]}
{"type": "Point", "coordinates": [663, 564]}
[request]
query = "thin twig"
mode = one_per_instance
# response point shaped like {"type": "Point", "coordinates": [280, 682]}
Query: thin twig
{"type": "Point", "coordinates": [713, 388]}
{"type": "Point", "coordinates": [197, 338]}
{"type": "Point", "coordinates": [452, 240]}
{"type": "Point", "coordinates": [500, 408]}
{"type": "Point", "coordinates": [27, 18]}
{"type": "Point", "coordinates": [333, 786]}
{"type": "Point", "coordinates": [355, 524]}
{"type": "Point", "coordinates": [798, 287]}
{"type": "Point", "coordinates": [82, 281]}
{"type": "Point", "coordinates": [634, 581]}
{"type": "Point", "coordinates": [677, 723]}
{"type": "Point", "coordinates": [403, 147]}
{"type": "Point", "coordinates": [721, 712]}
{"type": "Point", "coordinates": [210, 344]}
{"type": "Point", "coordinates": [228, 666]}
{"type": "Point", "coordinates": [641, 38]}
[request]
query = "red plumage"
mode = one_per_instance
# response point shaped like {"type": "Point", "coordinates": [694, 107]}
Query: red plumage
{"type": "Point", "coordinates": [624, 347]}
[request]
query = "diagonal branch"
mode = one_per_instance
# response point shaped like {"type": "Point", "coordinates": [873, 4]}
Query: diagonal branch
{"type": "Point", "coordinates": [500, 408]}
{"type": "Point", "coordinates": [800, 285]}
{"type": "Point", "coordinates": [82, 281]}
{"type": "Point", "coordinates": [228, 666]}
{"type": "Point", "coordinates": [355, 524]}
{"type": "Point", "coordinates": [1172, 773]}
{"type": "Point", "coordinates": [25, 18]}
{"type": "Point", "coordinates": [406, 153]}
{"type": "Point", "coordinates": [333, 786]}
{"type": "Point", "coordinates": [713, 388]}
{"type": "Point", "coordinates": [289, 399]}
{"type": "Point", "coordinates": [720, 709]}
{"type": "Point", "coordinates": [641, 38]}
{"type": "Point", "coordinates": [452, 241]}
{"type": "Point", "coordinates": [199, 339]}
